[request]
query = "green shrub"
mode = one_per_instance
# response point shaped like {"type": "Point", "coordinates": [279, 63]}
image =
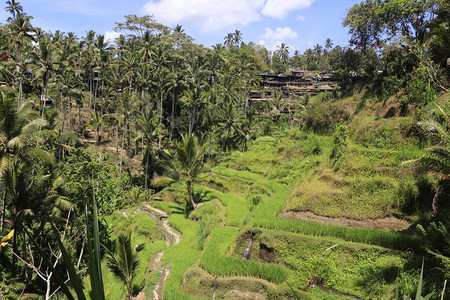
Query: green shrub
{"type": "Point", "coordinates": [324, 117]}
{"type": "Point", "coordinates": [420, 92]}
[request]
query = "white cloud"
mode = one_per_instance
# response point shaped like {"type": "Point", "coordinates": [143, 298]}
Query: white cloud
{"type": "Point", "coordinates": [280, 33]}
{"type": "Point", "coordinates": [301, 18]}
{"type": "Point", "coordinates": [270, 45]}
{"type": "Point", "coordinates": [280, 8]}
{"type": "Point", "coordinates": [210, 15]}
{"type": "Point", "coordinates": [110, 36]}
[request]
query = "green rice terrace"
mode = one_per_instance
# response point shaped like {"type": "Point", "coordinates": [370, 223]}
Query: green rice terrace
{"type": "Point", "coordinates": [141, 164]}
{"type": "Point", "coordinates": [281, 217]}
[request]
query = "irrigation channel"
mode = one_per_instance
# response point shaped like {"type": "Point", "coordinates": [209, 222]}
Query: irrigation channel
{"type": "Point", "coordinates": [172, 238]}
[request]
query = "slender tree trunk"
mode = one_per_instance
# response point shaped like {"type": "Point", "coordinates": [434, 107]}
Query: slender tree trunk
{"type": "Point", "coordinates": [61, 110]}
{"type": "Point", "coordinates": [45, 97]}
{"type": "Point", "coordinates": [49, 286]}
{"type": "Point", "coordinates": [190, 193]}
{"type": "Point", "coordinates": [146, 171]}
{"type": "Point", "coordinates": [434, 205]}
{"type": "Point", "coordinates": [2, 224]}
{"type": "Point", "coordinates": [172, 115]}
{"type": "Point", "coordinates": [97, 137]}
{"type": "Point", "coordinates": [69, 110]}
{"type": "Point", "coordinates": [79, 116]}
{"type": "Point", "coordinates": [160, 116]}
{"type": "Point", "coordinates": [117, 137]}
{"type": "Point", "coordinates": [20, 93]}
{"type": "Point", "coordinates": [121, 152]}
{"type": "Point", "coordinates": [16, 233]}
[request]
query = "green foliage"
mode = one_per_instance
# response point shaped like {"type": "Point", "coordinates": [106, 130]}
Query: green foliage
{"type": "Point", "coordinates": [80, 170]}
{"type": "Point", "coordinates": [122, 261]}
{"type": "Point", "coordinates": [324, 117]}
{"type": "Point", "coordinates": [420, 92]}
{"type": "Point", "coordinates": [188, 162]}
{"type": "Point", "coordinates": [340, 137]}
{"type": "Point", "coordinates": [391, 85]}
{"type": "Point", "coordinates": [384, 133]}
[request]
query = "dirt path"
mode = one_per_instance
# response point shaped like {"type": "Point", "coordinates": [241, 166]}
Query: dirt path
{"type": "Point", "coordinates": [386, 223]}
{"type": "Point", "coordinates": [172, 238]}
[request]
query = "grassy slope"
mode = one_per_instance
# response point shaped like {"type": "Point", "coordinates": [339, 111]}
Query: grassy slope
{"type": "Point", "coordinates": [293, 171]}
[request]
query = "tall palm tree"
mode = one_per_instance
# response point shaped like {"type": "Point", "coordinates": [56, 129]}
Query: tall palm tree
{"type": "Point", "coordinates": [283, 51]}
{"type": "Point", "coordinates": [196, 80]}
{"type": "Point", "coordinates": [237, 37]}
{"type": "Point", "coordinates": [147, 122]}
{"type": "Point", "coordinates": [18, 151]}
{"type": "Point", "coordinates": [124, 262]}
{"type": "Point", "coordinates": [188, 162]}
{"type": "Point", "coordinates": [20, 37]}
{"type": "Point", "coordinates": [328, 44]}
{"type": "Point", "coordinates": [229, 39]}
{"type": "Point", "coordinates": [309, 56]}
{"type": "Point", "coordinates": [46, 62]}
{"type": "Point", "coordinates": [17, 129]}
{"type": "Point", "coordinates": [175, 84]}
{"type": "Point", "coordinates": [13, 7]}
{"type": "Point", "coordinates": [162, 75]}
{"type": "Point", "coordinates": [318, 51]}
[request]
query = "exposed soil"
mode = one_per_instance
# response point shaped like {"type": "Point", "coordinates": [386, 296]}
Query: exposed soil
{"type": "Point", "coordinates": [387, 223]}
{"type": "Point", "coordinates": [157, 292]}
{"type": "Point", "coordinates": [172, 238]}
{"type": "Point", "coordinates": [238, 295]}
{"type": "Point", "coordinates": [266, 253]}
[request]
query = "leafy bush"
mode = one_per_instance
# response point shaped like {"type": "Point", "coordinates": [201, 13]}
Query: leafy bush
{"type": "Point", "coordinates": [420, 92]}
{"type": "Point", "coordinates": [324, 117]}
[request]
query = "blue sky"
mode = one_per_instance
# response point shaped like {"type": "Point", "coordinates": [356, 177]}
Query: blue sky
{"type": "Point", "coordinates": [299, 23]}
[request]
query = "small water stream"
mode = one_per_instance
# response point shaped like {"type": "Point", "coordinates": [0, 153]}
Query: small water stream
{"type": "Point", "coordinates": [249, 246]}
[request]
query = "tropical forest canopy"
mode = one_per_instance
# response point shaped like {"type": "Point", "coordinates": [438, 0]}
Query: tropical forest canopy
{"type": "Point", "coordinates": [115, 153]}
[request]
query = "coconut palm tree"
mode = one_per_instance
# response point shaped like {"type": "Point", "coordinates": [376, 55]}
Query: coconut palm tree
{"type": "Point", "coordinates": [18, 139]}
{"type": "Point", "coordinates": [237, 37]}
{"type": "Point", "coordinates": [188, 162]}
{"type": "Point", "coordinates": [175, 84]}
{"type": "Point", "coordinates": [46, 61]}
{"type": "Point", "coordinates": [123, 262]}
{"type": "Point", "coordinates": [229, 39]}
{"type": "Point", "coordinates": [162, 76]}
{"type": "Point", "coordinates": [18, 152]}
{"type": "Point", "coordinates": [147, 122]}
{"type": "Point", "coordinates": [13, 7]}
{"type": "Point", "coordinates": [309, 56]}
{"type": "Point", "coordinates": [328, 44]}
{"type": "Point", "coordinates": [318, 51]}
{"type": "Point", "coordinates": [283, 51]}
